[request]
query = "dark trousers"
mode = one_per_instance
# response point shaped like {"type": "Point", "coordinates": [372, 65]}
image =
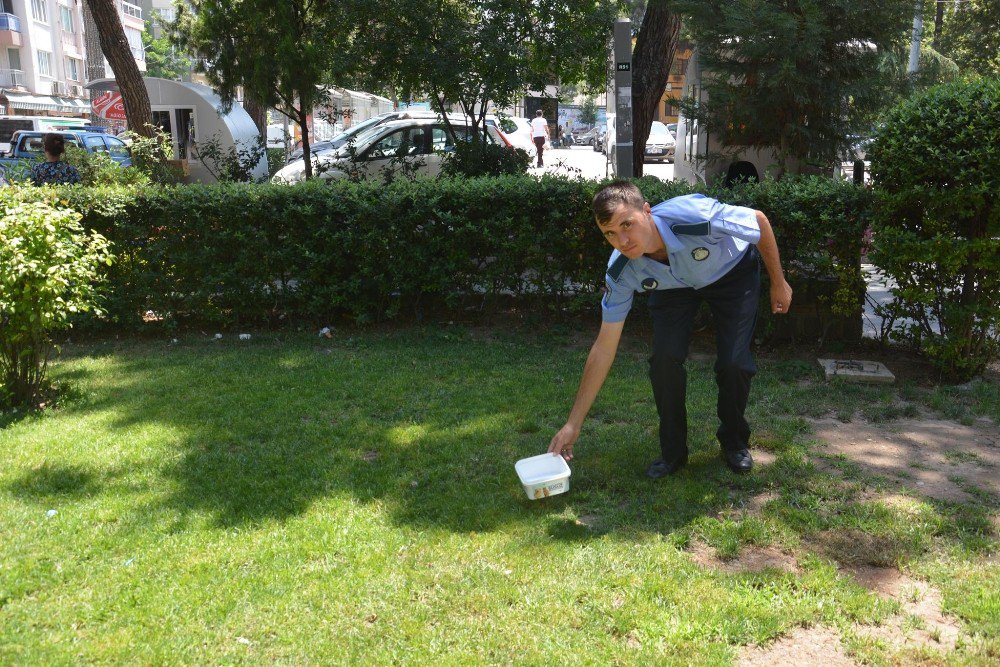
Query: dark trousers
{"type": "Point", "coordinates": [540, 146]}
{"type": "Point", "coordinates": [733, 301]}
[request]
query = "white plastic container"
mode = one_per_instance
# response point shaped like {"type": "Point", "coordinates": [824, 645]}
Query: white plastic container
{"type": "Point", "coordinates": [543, 475]}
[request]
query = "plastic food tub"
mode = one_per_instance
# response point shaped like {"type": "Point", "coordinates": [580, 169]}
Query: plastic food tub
{"type": "Point", "coordinates": [543, 475]}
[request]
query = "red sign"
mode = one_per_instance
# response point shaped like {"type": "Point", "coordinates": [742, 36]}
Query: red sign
{"type": "Point", "coordinates": [109, 106]}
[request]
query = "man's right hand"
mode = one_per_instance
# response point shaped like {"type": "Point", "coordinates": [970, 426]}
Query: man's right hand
{"type": "Point", "coordinates": [563, 441]}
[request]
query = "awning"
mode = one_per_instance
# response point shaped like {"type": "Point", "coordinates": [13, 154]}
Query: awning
{"type": "Point", "coordinates": [29, 102]}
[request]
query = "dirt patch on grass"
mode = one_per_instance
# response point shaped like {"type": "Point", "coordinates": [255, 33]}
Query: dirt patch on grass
{"type": "Point", "coordinates": [803, 646]}
{"type": "Point", "coordinates": [856, 548]}
{"type": "Point", "coordinates": [921, 623]}
{"type": "Point", "coordinates": [750, 559]}
{"type": "Point", "coordinates": [935, 458]}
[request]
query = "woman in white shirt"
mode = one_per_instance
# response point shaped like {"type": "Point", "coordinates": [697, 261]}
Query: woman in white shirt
{"type": "Point", "coordinates": [539, 133]}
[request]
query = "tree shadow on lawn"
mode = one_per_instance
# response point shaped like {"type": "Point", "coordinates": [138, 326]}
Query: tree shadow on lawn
{"type": "Point", "coordinates": [431, 430]}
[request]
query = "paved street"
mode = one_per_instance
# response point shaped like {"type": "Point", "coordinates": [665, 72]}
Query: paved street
{"type": "Point", "coordinates": [585, 162]}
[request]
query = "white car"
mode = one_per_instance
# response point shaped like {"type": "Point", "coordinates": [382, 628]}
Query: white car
{"type": "Point", "coordinates": [660, 145]}
{"type": "Point", "coordinates": [417, 145]}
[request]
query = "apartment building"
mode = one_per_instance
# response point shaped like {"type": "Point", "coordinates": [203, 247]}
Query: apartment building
{"type": "Point", "coordinates": [43, 55]}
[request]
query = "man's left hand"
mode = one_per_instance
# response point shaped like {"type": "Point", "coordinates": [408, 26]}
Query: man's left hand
{"type": "Point", "coordinates": [781, 297]}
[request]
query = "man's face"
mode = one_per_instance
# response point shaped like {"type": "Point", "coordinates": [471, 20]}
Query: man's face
{"type": "Point", "coordinates": [632, 232]}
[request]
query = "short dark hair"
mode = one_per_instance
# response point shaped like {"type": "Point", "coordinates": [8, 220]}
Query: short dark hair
{"type": "Point", "coordinates": [538, 113]}
{"type": "Point", "coordinates": [54, 144]}
{"type": "Point", "coordinates": [611, 196]}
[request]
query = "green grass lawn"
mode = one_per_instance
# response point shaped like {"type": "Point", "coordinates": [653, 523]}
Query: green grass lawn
{"type": "Point", "coordinates": [301, 500]}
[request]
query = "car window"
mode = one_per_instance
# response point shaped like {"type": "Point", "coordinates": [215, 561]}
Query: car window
{"type": "Point", "coordinates": [117, 147]}
{"type": "Point", "coordinates": [32, 145]}
{"type": "Point", "coordinates": [95, 144]}
{"type": "Point", "coordinates": [658, 128]}
{"type": "Point", "coordinates": [401, 143]}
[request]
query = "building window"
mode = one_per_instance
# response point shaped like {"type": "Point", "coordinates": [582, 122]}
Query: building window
{"type": "Point", "coordinates": [44, 63]}
{"type": "Point", "coordinates": [14, 58]}
{"type": "Point", "coordinates": [134, 38]}
{"type": "Point", "coordinates": [67, 18]}
{"type": "Point", "coordinates": [39, 11]}
{"type": "Point", "coordinates": [73, 69]}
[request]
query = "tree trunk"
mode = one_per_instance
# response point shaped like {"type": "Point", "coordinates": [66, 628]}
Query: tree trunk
{"type": "Point", "coordinates": [655, 45]}
{"type": "Point", "coordinates": [116, 49]}
{"type": "Point", "coordinates": [938, 24]}
{"type": "Point", "coordinates": [303, 118]}
{"type": "Point", "coordinates": [257, 111]}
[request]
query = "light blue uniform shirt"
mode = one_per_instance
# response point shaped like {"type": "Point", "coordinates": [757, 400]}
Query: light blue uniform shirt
{"type": "Point", "coordinates": [705, 239]}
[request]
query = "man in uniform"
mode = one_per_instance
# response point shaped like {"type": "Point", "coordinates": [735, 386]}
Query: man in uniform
{"type": "Point", "coordinates": [683, 251]}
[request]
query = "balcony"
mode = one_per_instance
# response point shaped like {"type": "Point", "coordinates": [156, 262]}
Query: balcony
{"type": "Point", "coordinates": [10, 30]}
{"type": "Point", "coordinates": [135, 11]}
{"type": "Point", "coordinates": [138, 54]}
{"type": "Point", "coordinates": [11, 78]}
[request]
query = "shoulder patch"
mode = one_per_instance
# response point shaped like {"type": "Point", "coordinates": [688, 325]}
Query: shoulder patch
{"type": "Point", "coordinates": [617, 266]}
{"type": "Point", "coordinates": [692, 229]}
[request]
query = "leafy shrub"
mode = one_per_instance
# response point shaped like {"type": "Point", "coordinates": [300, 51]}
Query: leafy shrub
{"type": "Point", "coordinates": [153, 156]}
{"type": "Point", "coordinates": [48, 272]}
{"type": "Point", "coordinates": [232, 253]}
{"type": "Point", "coordinates": [936, 171]}
{"type": "Point", "coordinates": [100, 169]}
{"type": "Point", "coordinates": [477, 158]}
{"type": "Point", "coordinates": [232, 164]}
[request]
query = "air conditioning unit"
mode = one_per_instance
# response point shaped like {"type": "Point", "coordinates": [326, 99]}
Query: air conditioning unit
{"type": "Point", "coordinates": [76, 91]}
{"type": "Point", "coordinates": [58, 88]}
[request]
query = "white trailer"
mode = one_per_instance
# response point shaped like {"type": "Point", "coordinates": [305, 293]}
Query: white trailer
{"type": "Point", "coordinates": [191, 114]}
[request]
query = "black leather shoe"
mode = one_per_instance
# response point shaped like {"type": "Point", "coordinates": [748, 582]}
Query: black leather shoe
{"type": "Point", "coordinates": [660, 468]}
{"type": "Point", "coordinates": [739, 460]}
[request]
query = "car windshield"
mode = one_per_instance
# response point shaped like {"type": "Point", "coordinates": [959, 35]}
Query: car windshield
{"type": "Point", "coordinates": [356, 130]}
{"type": "Point", "coordinates": [657, 128]}
{"type": "Point", "coordinates": [359, 139]}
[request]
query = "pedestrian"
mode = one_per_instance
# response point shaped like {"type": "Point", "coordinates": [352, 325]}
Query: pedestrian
{"type": "Point", "coordinates": [54, 170]}
{"type": "Point", "coordinates": [539, 133]}
{"type": "Point", "coordinates": [683, 251]}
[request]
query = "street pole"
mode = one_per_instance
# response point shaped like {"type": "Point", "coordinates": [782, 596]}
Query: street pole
{"type": "Point", "coordinates": [623, 98]}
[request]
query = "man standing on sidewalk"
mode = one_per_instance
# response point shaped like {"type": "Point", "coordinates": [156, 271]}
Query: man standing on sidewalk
{"type": "Point", "coordinates": [539, 133]}
{"type": "Point", "coordinates": [683, 251]}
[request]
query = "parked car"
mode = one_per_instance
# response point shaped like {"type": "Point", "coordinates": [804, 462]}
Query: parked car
{"type": "Point", "coordinates": [26, 146]}
{"type": "Point", "coordinates": [660, 145]}
{"type": "Point", "coordinates": [519, 134]}
{"type": "Point", "coordinates": [672, 129]}
{"type": "Point", "coordinates": [327, 146]}
{"type": "Point", "coordinates": [585, 138]}
{"type": "Point", "coordinates": [415, 144]}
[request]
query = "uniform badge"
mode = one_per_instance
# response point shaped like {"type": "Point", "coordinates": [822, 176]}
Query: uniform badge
{"type": "Point", "coordinates": [649, 283]}
{"type": "Point", "coordinates": [700, 254]}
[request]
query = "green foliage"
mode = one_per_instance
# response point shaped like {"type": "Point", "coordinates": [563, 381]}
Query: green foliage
{"type": "Point", "coordinates": [369, 250]}
{"type": "Point", "coordinates": [164, 59]}
{"type": "Point", "coordinates": [936, 169]}
{"type": "Point", "coordinates": [153, 156]}
{"type": "Point", "coordinates": [100, 169]}
{"type": "Point", "coordinates": [279, 53]}
{"type": "Point", "coordinates": [48, 273]}
{"type": "Point", "coordinates": [588, 111]}
{"type": "Point", "coordinates": [275, 161]}
{"type": "Point", "coordinates": [232, 164]}
{"type": "Point", "coordinates": [795, 77]}
{"type": "Point", "coordinates": [970, 36]}
{"type": "Point", "coordinates": [475, 159]}
{"type": "Point", "coordinates": [477, 53]}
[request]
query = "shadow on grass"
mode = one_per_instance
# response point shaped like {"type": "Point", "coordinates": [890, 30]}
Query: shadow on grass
{"type": "Point", "coordinates": [52, 481]}
{"type": "Point", "coordinates": [430, 427]}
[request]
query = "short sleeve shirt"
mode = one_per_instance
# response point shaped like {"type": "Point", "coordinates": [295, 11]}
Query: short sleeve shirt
{"type": "Point", "coordinates": [54, 172]}
{"type": "Point", "coordinates": [704, 238]}
{"type": "Point", "coordinates": [539, 127]}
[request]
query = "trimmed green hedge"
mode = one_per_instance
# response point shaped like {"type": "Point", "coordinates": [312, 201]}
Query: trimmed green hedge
{"type": "Point", "coordinates": [258, 253]}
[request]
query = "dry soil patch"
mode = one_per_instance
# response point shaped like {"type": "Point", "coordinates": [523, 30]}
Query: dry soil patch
{"type": "Point", "coordinates": [803, 646]}
{"type": "Point", "coordinates": [750, 559]}
{"type": "Point", "coordinates": [928, 456]}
